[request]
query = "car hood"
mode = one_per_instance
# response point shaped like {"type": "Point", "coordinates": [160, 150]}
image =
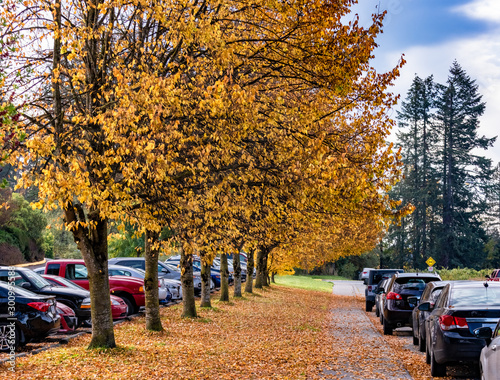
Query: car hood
{"type": "Point", "coordinates": [63, 291]}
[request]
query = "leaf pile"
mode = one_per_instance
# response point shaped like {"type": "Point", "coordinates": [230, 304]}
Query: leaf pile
{"type": "Point", "coordinates": [280, 333]}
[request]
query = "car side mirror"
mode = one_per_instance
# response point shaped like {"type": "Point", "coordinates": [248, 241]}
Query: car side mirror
{"type": "Point", "coordinates": [425, 306]}
{"type": "Point", "coordinates": [487, 276]}
{"type": "Point", "coordinates": [484, 333]}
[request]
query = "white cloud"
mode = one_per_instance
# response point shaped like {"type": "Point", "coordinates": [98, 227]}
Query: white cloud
{"type": "Point", "coordinates": [487, 10]}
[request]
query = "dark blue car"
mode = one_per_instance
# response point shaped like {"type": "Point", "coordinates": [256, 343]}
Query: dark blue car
{"type": "Point", "coordinates": [462, 307]}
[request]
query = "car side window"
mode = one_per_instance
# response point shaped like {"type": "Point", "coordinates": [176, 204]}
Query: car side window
{"type": "Point", "coordinates": [53, 269]}
{"type": "Point", "coordinates": [434, 295]}
{"type": "Point", "coordinates": [442, 298]}
{"type": "Point", "coordinates": [496, 332]}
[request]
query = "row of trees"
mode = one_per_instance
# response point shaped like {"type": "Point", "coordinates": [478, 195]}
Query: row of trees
{"type": "Point", "coordinates": [225, 122]}
{"type": "Point", "coordinates": [455, 190]}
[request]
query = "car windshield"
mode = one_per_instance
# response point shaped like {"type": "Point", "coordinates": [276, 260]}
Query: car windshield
{"type": "Point", "coordinates": [19, 291]}
{"type": "Point", "coordinates": [37, 280]}
{"type": "Point", "coordinates": [171, 267]}
{"type": "Point", "coordinates": [468, 296]}
{"type": "Point", "coordinates": [67, 283]}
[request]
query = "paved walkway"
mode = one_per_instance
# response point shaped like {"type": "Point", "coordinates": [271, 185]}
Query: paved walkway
{"type": "Point", "coordinates": [363, 353]}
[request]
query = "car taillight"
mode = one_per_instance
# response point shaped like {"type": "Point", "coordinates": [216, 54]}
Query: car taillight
{"type": "Point", "coordinates": [41, 306]}
{"type": "Point", "coordinates": [394, 296]}
{"type": "Point", "coordinates": [449, 322]}
{"type": "Point", "coordinates": [370, 288]}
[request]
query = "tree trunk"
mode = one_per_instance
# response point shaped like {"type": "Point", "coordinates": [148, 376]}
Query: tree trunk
{"type": "Point", "coordinates": [153, 321]}
{"type": "Point", "coordinates": [224, 276]}
{"type": "Point", "coordinates": [205, 281]}
{"type": "Point", "coordinates": [237, 272]}
{"type": "Point", "coordinates": [259, 278]}
{"type": "Point", "coordinates": [250, 266]}
{"type": "Point", "coordinates": [265, 270]}
{"type": "Point", "coordinates": [92, 242]}
{"type": "Point", "coordinates": [272, 278]}
{"type": "Point", "coordinates": [189, 306]}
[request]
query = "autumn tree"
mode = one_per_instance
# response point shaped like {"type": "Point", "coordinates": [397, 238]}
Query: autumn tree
{"type": "Point", "coordinates": [169, 114]}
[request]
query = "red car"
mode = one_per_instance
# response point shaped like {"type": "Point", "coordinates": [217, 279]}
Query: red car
{"type": "Point", "coordinates": [129, 289]}
{"type": "Point", "coordinates": [69, 321]}
{"type": "Point", "coordinates": [118, 307]}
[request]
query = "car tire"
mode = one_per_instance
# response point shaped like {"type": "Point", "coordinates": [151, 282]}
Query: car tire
{"type": "Point", "coordinates": [381, 318]}
{"type": "Point", "coordinates": [130, 306]}
{"type": "Point", "coordinates": [377, 312]}
{"type": "Point", "coordinates": [387, 328]}
{"type": "Point", "coordinates": [437, 370]}
{"type": "Point", "coordinates": [427, 355]}
{"type": "Point", "coordinates": [368, 306]}
{"type": "Point", "coordinates": [421, 343]}
{"type": "Point", "coordinates": [87, 322]}
{"type": "Point", "coordinates": [4, 337]}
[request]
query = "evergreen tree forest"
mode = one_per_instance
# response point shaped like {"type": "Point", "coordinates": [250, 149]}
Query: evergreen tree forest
{"type": "Point", "coordinates": [452, 185]}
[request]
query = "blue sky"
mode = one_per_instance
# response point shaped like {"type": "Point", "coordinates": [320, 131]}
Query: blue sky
{"type": "Point", "coordinates": [432, 34]}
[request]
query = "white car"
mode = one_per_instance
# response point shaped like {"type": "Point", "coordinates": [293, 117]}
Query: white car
{"type": "Point", "coordinates": [489, 361]}
{"type": "Point", "coordinates": [364, 274]}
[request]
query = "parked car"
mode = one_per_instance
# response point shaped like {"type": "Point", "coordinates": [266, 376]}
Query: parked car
{"type": "Point", "coordinates": [380, 295]}
{"type": "Point", "coordinates": [164, 293]}
{"type": "Point", "coordinates": [489, 360]}
{"type": "Point", "coordinates": [462, 307]}
{"type": "Point", "coordinates": [397, 310]}
{"type": "Point", "coordinates": [129, 289]}
{"type": "Point", "coordinates": [175, 261]}
{"type": "Point", "coordinates": [35, 316]}
{"type": "Point", "coordinates": [119, 309]}
{"type": "Point", "coordinates": [430, 294]}
{"type": "Point", "coordinates": [76, 299]}
{"type": "Point", "coordinates": [374, 277]}
{"type": "Point", "coordinates": [69, 321]}
{"type": "Point", "coordinates": [363, 275]}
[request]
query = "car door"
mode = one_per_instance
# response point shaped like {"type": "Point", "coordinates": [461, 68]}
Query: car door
{"type": "Point", "coordinates": [492, 355]}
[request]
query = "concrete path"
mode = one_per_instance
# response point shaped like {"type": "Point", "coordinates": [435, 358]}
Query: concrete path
{"type": "Point", "coordinates": [363, 353]}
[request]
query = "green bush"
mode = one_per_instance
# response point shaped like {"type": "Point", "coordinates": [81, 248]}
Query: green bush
{"type": "Point", "coordinates": [463, 274]}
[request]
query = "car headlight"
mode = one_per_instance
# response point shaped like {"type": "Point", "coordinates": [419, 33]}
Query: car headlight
{"type": "Point", "coordinates": [85, 303]}
{"type": "Point", "coordinates": [115, 302]}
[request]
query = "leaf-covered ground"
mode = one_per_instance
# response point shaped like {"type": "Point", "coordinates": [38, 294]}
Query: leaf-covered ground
{"type": "Point", "coordinates": [277, 333]}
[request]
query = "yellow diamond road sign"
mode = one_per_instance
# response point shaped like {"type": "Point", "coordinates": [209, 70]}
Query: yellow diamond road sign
{"type": "Point", "coordinates": [430, 262]}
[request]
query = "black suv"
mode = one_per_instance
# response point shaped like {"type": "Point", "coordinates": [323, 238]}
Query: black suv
{"type": "Point", "coordinates": [374, 277]}
{"type": "Point", "coordinates": [397, 309]}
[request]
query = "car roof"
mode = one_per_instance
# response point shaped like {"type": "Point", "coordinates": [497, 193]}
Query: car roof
{"type": "Point", "coordinates": [473, 283]}
{"type": "Point", "coordinates": [417, 274]}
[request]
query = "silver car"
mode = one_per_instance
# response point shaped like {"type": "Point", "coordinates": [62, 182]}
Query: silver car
{"type": "Point", "coordinates": [489, 361]}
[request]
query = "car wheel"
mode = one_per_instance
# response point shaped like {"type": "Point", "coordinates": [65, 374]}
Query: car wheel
{"type": "Point", "coordinates": [381, 318]}
{"type": "Point", "coordinates": [368, 306]}
{"type": "Point", "coordinates": [377, 312]}
{"type": "Point", "coordinates": [421, 343]}
{"type": "Point", "coordinates": [387, 328]}
{"type": "Point", "coordinates": [5, 337]}
{"type": "Point", "coordinates": [437, 370]}
{"type": "Point", "coordinates": [87, 322]}
{"type": "Point", "coordinates": [130, 306]}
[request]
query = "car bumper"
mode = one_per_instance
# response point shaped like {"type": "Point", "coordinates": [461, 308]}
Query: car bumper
{"type": "Point", "coordinates": [452, 347]}
{"type": "Point", "coordinates": [398, 317]}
